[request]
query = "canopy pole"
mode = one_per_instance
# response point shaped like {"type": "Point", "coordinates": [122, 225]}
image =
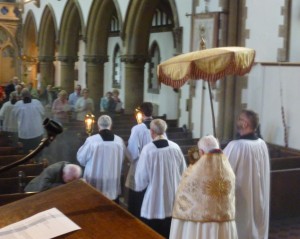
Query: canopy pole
{"type": "Point", "coordinates": [212, 109]}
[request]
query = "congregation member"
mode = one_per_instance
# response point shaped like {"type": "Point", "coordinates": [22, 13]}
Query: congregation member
{"type": "Point", "coordinates": [103, 155]}
{"type": "Point", "coordinates": [47, 98]}
{"type": "Point", "coordinates": [33, 91]}
{"type": "Point", "coordinates": [73, 97]}
{"type": "Point", "coordinates": [139, 137]}
{"type": "Point", "coordinates": [204, 206]}
{"type": "Point", "coordinates": [107, 103]}
{"type": "Point", "coordinates": [29, 114]}
{"type": "Point", "coordinates": [159, 171]}
{"type": "Point", "coordinates": [118, 102]}
{"type": "Point", "coordinates": [11, 86]}
{"type": "Point", "coordinates": [9, 122]}
{"type": "Point", "coordinates": [61, 108]}
{"type": "Point", "coordinates": [84, 105]}
{"type": "Point", "coordinates": [54, 175]}
{"type": "Point", "coordinates": [18, 91]}
{"type": "Point", "coordinates": [249, 158]}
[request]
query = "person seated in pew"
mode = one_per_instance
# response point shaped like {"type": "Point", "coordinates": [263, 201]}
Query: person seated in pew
{"type": "Point", "coordinates": [54, 175]}
{"type": "Point", "coordinates": [204, 205]}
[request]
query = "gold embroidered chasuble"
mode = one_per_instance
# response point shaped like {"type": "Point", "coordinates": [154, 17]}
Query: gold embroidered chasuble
{"type": "Point", "coordinates": [207, 191]}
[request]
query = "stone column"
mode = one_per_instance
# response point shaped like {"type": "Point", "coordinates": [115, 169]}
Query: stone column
{"type": "Point", "coordinates": [67, 74]}
{"type": "Point", "coordinates": [46, 70]}
{"type": "Point", "coordinates": [134, 81]}
{"type": "Point", "coordinates": [95, 74]}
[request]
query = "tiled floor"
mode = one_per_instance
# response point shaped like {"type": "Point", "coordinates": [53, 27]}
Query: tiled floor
{"type": "Point", "coordinates": [285, 229]}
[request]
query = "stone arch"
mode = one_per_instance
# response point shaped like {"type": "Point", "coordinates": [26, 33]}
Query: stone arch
{"type": "Point", "coordinates": [97, 43]}
{"type": "Point", "coordinates": [136, 34]}
{"type": "Point", "coordinates": [47, 40]}
{"type": "Point", "coordinates": [72, 29]}
{"type": "Point", "coordinates": [30, 50]}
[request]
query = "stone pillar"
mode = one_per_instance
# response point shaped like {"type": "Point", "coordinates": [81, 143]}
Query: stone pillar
{"type": "Point", "coordinates": [46, 70]}
{"type": "Point", "coordinates": [134, 81]}
{"type": "Point", "coordinates": [67, 64]}
{"type": "Point", "coordinates": [95, 81]}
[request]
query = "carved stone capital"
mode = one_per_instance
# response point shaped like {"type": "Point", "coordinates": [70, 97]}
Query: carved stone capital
{"type": "Point", "coordinates": [46, 58]}
{"type": "Point", "coordinates": [96, 59]}
{"type": "Point", "coordinates": [135, 58]}
{"type": "Point", "coordinates": [67, 59]}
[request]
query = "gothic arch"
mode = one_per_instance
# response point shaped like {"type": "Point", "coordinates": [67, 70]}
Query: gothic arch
{"type": "Point", "coordinates": [71, 29]}
{"type": "Point", "coordinates": [47, 37]}
{"type": "Point", "coordinates": [98, 26]}
{"type": "Point", "coordinates": [30, 35]}
{"type": "Point", "coordinates": [138, 22]}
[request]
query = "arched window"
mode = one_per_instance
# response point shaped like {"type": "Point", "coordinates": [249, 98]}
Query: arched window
{"type": "Point", "coordinates": [117, 68]}
{"type": "Point", "coordinates": [153, 85]}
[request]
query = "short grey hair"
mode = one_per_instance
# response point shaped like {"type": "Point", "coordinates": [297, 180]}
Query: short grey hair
{"type": "Point", "coordinates": [71, 172]}
{"type": "Point", "coordinates": [25, 93]}
{"type": "Point", "coordinates": [104, 122]}
{"type": "Point", "coordinates": [208, 143]}
{"type": "Point", "coordinates": [158, 126]}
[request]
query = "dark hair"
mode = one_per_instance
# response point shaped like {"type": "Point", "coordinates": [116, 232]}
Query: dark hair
{"type": "Point", "coordinates": [147, 108]}
{"type": "Point", "coordinates": [252, 117]}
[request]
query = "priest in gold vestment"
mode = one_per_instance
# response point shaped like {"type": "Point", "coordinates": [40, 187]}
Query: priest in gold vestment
{"type": "Point", "coordinates": [204, 206]}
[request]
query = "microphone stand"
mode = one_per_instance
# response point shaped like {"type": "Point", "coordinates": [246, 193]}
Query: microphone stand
{"type": "Point", "coordinates": [53, 129]}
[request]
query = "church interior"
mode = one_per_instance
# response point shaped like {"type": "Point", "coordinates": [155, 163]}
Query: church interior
{"type": "Point", "coordinates": [118, 45]}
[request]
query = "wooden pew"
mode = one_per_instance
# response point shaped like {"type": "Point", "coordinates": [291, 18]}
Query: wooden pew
{"type": "Point", "coordinates": [285, 163]}
{"type": "Point", "coordinates": [285, 193]}
{"type": "Point", "coordinates": [9, 150]}
{"type": "Point", "coordinates": [12, 197]}
{"type": "Point", "coordinates": [14, 184]}
{"type": "Point", "coordinates": [28, 169]}
{"type": "Point", "coordinates": [8, 159]}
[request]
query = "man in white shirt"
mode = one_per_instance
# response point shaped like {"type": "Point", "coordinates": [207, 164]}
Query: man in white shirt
{"type": "Point", "coordinates": [102, 155]}
{"type": "Point", "coordinates": [139, 137]}
{"type": "Point", "coordinates": [159, 170]}
{"type": "Point", "coordinates": [29, 114]}
{"type": "Point", "coordinates": [204, 206]}
{"type": "Point", "coordinates": [249, 158]}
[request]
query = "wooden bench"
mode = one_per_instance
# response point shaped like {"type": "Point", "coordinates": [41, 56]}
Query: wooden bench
{"type": "Point", "coordinates": [29, 170]}
{"type": "Point", "coordinates": [12, 197]}
{"type": "Point", "coordinates": [8, 159]}
{"type": "Point", "coordinates": [14, 184]}
{"type": "Point", "coordinates": [9, 150]}
{"type": "Point", "coordinates": [285, 163]}
{"type": "Point", "coordinates": [285, 193]}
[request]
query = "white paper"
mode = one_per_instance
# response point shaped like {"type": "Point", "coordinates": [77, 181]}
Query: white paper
{"type": "Point", "coordinates": [44, 225]}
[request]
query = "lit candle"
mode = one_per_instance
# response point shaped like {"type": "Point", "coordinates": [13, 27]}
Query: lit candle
{"type": "Point", "coordinates": [139, 117]}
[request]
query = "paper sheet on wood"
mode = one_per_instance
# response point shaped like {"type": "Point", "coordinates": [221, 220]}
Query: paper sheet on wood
{"type": "Point", "coordinates": [44, 225]}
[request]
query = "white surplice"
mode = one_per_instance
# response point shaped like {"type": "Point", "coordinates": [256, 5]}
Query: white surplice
{"type": "Point", "coordinates": [103, 162]}
{"type": "Point", "coordinates": [159, 170]}
{"type": "Point", "coordinates": [250, 162]}
{"type": "Point", "coordinates": [30, 118]}
{"type": "Point", "coordinates": [139, 137]}
{"type": "Point", "coordinates": [9, 122]}
{"type": "Point", "coordinates": [182, 229]}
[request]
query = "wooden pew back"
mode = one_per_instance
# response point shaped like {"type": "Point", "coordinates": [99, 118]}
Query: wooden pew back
{"type": "Point", "coordinates": [285, 193]}
{"type": "Point", "coordinates": [14, 185]}
{"type": "Point", "coordinates": [29, 170]}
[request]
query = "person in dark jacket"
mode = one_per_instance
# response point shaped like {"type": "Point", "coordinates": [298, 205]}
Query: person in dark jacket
{"type": "Point", "coordinates": [54, 175]}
